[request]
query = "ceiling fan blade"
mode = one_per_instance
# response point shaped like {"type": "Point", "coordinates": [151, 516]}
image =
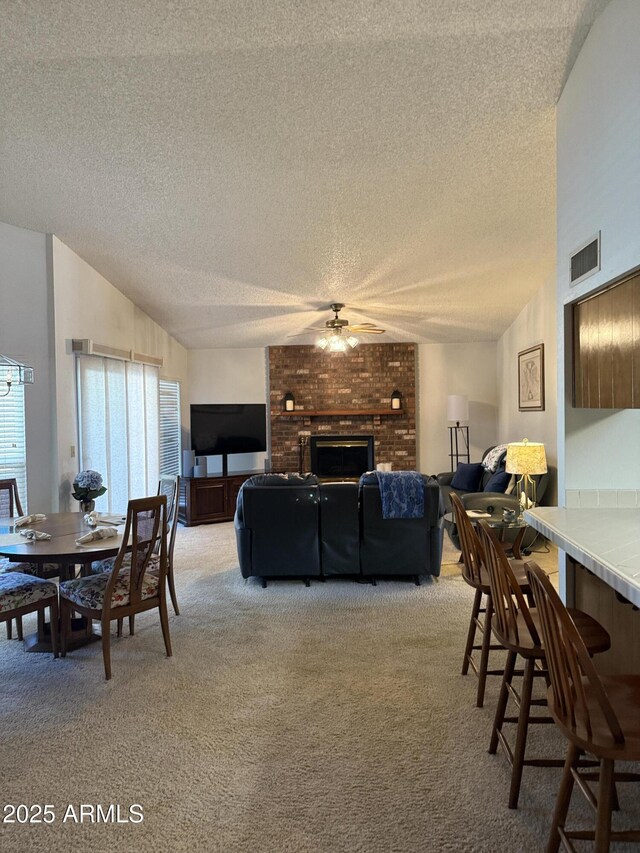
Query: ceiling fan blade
{"type": "Point", "coordinates": [308, 332]}
{"type": "Point", "coordinates": [363, 330]}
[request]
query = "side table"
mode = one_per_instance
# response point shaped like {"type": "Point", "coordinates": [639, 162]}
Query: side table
{"type": "Point", "coordinates": [499, 524]}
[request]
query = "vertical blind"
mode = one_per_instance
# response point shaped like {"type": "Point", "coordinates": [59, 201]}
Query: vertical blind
{"type": "Point", "coordinates": [169, 426]}
{"type": "Point", "coordinates": [13, 448]}
{"type": "Point", "coordinates": [118, 415]}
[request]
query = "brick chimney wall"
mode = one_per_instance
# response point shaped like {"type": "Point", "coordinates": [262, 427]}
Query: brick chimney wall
{"type": "Point", "coordinates": [363, 378]}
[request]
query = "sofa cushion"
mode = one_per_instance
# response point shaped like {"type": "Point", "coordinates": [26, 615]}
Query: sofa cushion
{"type": "Point", "coordinates": [468, 476]}
{"type": "Point", "coordinates": [498, 482]}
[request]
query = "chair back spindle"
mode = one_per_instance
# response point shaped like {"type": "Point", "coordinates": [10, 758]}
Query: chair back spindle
{"type": "Point", "coordinates": [571, 669]}
{"type": "Point", "coordinates": [470, 545]}
{"type": "Point", "coordinates": [508, 601]}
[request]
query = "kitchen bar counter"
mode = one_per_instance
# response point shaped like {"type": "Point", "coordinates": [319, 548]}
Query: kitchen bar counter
{"type": "Point", "coordinates": [601, 572]}
{"type": "Point", "coordinates": [605, 541]}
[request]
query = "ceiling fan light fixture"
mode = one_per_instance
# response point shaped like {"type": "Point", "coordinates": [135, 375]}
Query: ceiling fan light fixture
{"type": "Point", "coordinates": [352, 341]}
{"type": "Point", "coordinates": [337, 344]}
{"type": "Point", "coordinates": [322, 343]}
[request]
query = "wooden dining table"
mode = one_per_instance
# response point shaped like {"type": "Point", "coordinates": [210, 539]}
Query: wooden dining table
{"type": "Point", "coordinates": [61, 550]}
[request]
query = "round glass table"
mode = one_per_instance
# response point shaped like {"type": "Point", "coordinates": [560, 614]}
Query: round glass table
{"type": "Point", "coordinates": [498, 523]}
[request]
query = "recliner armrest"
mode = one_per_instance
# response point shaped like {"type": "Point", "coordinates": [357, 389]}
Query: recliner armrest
{"type": "Point", "coordinates": [445, 478]}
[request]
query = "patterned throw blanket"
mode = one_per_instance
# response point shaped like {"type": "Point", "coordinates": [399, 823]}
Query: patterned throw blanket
{"type": "Point", "coordinates": [402, 494]}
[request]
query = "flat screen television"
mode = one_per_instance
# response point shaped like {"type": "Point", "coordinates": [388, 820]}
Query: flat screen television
{"type": "Point", "coordinates": [224, 428]}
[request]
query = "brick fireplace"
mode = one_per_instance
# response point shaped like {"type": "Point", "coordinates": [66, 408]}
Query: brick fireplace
{"type": "Point", "coordinates": [343, 394]}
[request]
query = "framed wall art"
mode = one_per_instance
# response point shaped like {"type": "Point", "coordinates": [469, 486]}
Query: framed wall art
{"type": "Point", "coordinates": [531, 379]}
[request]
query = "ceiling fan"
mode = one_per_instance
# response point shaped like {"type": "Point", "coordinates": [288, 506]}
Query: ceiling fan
{"type": "Point", "coordinates": [333, 329]}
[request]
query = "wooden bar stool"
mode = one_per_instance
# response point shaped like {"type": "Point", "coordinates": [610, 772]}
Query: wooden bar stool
{"type": "Point", "coordinates": [597, 715]}
{"type": "Point", "coordinates": [516, 627]}
{"type": "Point", "coordinates": [476, 575]}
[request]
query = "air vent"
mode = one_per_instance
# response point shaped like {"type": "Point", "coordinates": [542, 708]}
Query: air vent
{"type": "Point", "coordinates": [586, 261]}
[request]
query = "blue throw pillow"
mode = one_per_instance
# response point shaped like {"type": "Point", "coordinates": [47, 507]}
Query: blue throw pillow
{"type": "Point", "coordinates": [498, 482]}
{"type": "Point", "coordinates": [468, 476]}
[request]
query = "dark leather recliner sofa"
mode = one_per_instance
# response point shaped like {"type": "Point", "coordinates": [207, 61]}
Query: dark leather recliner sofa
{"type": "Point", "coordinates": [298, 527]}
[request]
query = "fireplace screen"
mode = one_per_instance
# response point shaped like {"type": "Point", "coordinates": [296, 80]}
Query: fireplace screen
{"type": "Point", "coordinates": [341, 455]}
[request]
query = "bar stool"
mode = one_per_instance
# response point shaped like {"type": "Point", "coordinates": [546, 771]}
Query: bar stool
{"type": "Point", "coordinates": [516, 627]}
{"type": "Point", "coordinates": [476, 575]}
{"type": "Point", "coordinates": [600, 716]}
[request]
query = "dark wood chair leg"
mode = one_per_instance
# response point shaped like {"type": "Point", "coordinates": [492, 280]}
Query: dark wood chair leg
{"type": "Point", "coordinates": [65, 625]}
{"type": "Point", "coordinates": [106, 647]}
{"type": "Point", "coordinates": [605, 791]}
{"type": "Point", "coordinates": [19, 628]}
{"type": "Point", "coordinates": [502, 701]}
{"type": "Point", "coordinates": [484, 656]}
{"type": "Point", "coordinates": [119, 627]}
{"type": "Point", "coordinates": [521, 737]}
{"type": "Point", "coordinates": [9, 624]}
{"type": "Point", "coordinates": [164, 622]}
{"type": "Point", "coordinates": [54, 621]}
{"type": "Point", "coordinates": [563, 799]}
{"type": "Point", "coordinates": [132, 624]}
{"type": "Point", "coordinates": [471, 634]}
{"type": "Point", "coordinates": [172, 592]}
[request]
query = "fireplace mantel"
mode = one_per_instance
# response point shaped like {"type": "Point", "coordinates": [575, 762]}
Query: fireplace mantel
{"type": "Point", "coordinates": [352, 413]}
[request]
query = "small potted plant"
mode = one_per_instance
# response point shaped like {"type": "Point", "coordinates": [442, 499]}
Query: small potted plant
{"type": "Point", "coordinates": [87, 486]}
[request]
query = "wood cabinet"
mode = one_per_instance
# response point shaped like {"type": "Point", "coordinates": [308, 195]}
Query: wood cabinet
{"type": "Point", "coordinates": [606, 348]}
{"type": "Point", "coordinates": [206, 500]}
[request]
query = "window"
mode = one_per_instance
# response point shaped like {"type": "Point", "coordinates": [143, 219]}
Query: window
{"type": "Point", "coordinates": [118, 427]}
{"type": "Point", "coordinates": [169, 426]}
{"type": "Point", "coordinates": [13, 446]}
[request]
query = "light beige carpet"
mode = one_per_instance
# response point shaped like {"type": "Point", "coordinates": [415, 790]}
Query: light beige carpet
{"type": "Point", "coordinates": [330, 719]}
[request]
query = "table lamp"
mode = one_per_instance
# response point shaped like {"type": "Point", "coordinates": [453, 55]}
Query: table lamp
{"type": "Point", "coordinates": [526, 458]}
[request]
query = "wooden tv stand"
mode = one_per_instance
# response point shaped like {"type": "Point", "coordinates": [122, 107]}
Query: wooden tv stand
{"type": "Point", "coordinates": [207, 500]}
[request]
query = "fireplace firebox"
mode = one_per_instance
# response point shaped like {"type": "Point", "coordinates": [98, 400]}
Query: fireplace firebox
{"type": "Point", "coordinates": [341, 455]}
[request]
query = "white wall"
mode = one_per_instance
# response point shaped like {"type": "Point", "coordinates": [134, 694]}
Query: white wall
{"type": "Point", "coordinates": [26, 334]}
{"type": "Point", "coordinates": [445, 369]}
{"type": "Point", "coordinates": [599, 190]}
{"type": "Point", "coordinates": [88, 306]}
{"type": "Point", "coordinates": [229, 376]}
{"type": "Point", "coordinates": [535, 324]}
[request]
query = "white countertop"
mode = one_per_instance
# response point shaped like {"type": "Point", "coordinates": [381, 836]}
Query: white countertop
{"type": "Point", "coordinates": [605, 541]}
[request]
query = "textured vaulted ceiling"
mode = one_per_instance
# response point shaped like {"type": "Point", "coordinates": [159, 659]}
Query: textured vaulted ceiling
{"type": "Point", "coordinates": [235, 166]}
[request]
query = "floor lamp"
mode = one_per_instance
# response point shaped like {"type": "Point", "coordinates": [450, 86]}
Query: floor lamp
{"type": "Point", "coordinates": [458, 410]}
{"type": "Point", "coordinates": [525, 459]}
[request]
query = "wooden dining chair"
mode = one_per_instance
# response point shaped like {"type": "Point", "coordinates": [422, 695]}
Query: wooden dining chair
{"type": "Point", "coordinates": [598, 716]}
{"type": "Point", "coordinates": [169, 486]}
{"type": "Point", "coordinates": [10, 499]}
{"type": "Point", "coordinates": [129, 587]}
{"type": "Point", "coordinates": [516, 627]}
{"type": "Point", "coordinates": [475, 573]}
{"type": "Point", "coordinates": [11, 507]}
{"type": "Point", "coordinates": [21, 594]}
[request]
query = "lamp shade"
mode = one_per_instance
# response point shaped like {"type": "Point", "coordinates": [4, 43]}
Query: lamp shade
{"type": "Point", "coordinates": [457, 407]}
{"type": "Point", "coordinates": [526, 457]}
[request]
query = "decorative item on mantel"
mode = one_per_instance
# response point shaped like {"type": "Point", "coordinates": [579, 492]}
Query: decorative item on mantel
{"type": "Point", "coordinates": [458, 410]}
{"type": "Point", "coordinates": [87, 486]}
{"type": "Point", "coordinates": [289, 402]}
{"type": "Point", "coordinates": [396, 400]}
